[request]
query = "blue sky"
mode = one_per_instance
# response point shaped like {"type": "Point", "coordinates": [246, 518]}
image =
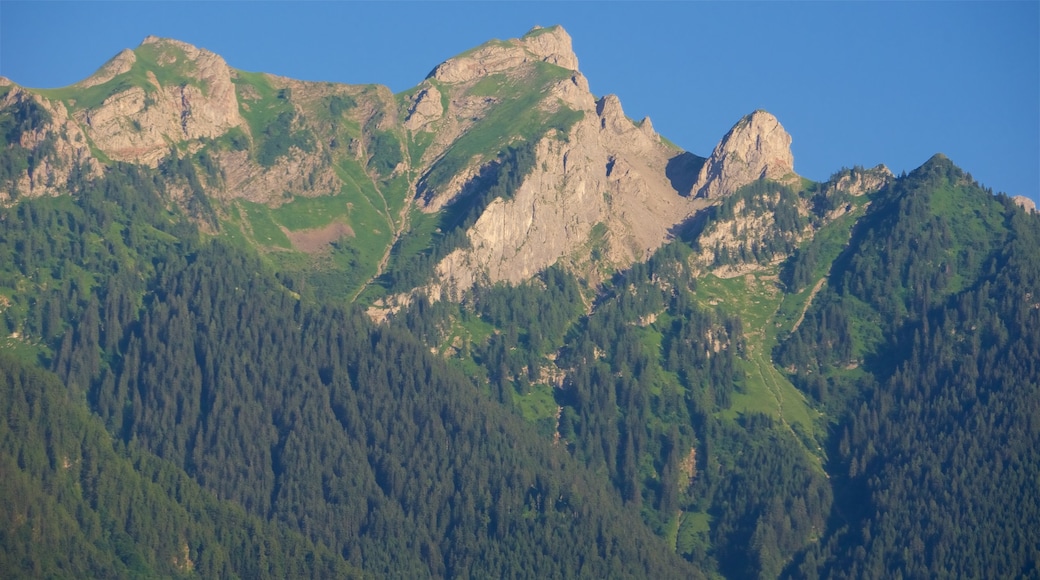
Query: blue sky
{"type": "Point", "coordinates": [853, 82]}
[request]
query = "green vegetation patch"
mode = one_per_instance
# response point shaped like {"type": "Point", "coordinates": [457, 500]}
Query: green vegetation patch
{"type": "Point", "coordinates": [273, 121]}
{"type": "Point", "coordinates": [304, 213]}
{"type": "Point", "coordinates": [538, 406]}
{"type": "Point", "coordinates": [168, 62]}
{"type": "Point", "coordinates": [263, 227]}
{"type": "Point", "coordinates": [516, 117]}
{"type": "Point", "coordinates": [765, 389]}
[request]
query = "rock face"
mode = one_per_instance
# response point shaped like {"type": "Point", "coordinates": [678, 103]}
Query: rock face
{"type": "Point", "coordinates": [426, 108]}
{"type": "Point", "coordinates": [140, 123]}
{"type": "Point", "coordinates": [860, 181]}
{"type": "Point", "coordinates": [57, 145]}
{"type": "Point", "coordinates": [756, 147]}
{"type": "Point", "coordinates": [552, 45]}
{"type": "Point", "coordinates": [1025, 203]}
{"type": "Point", "coordinates": [120, 63]}
{"type": "Point", "coordinates": [601, 193]}
{"type": "Point", "coordinates": [598, 195]}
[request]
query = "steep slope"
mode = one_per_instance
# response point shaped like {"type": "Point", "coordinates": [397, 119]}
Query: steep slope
{"type": "Point", "coordinates": [598, 337]}
{"type": "Point", "coordinates": [77, 504]}
{"type": "Point", "coordinates": [403, 182]}
{"type": "Point", "coordinates": [300, 418]}
{"type": "Point", "coordinates": [924, 329]}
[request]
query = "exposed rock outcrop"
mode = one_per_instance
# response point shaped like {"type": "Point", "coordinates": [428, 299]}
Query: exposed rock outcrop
{"type": "Point", "coordinates": [426, 108]}
{"type": "Point", "coordinates": [598, 195]}
{"type": "Point", "coordinates": [1025, 203]}
{"type": "Point", "coordinates": [140, 123]}
{"type": "Point", "coordinates": [552, 45]}
{"type": "Point", "coordinates": [858, 181]}
{"type": "Point", "coordinates": [57, 144]}
{"type": "Point", "coordinates": [602, 191]}
{"type": "Point", "coordinates": [119, 64]}
{"type": "Point", "coordinates": [756, 147]}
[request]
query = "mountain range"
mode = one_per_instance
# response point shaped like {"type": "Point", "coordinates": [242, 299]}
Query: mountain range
{"type": "Point", "coordinates": [491, 326]}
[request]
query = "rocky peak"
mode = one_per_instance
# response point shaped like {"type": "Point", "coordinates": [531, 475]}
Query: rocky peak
{"type": "Point", "coordinates": [139, 123]}
{"type": "Point", "coordinates": [552, 45]}
{"type": "Point", "coordinates": [119, 64]}
{"type": "Point", "coordinates": [611, 115]}
{"type": "Point", "coordinates": [756, 147]}
{"type": "Point", "coordinates": [647, 127]}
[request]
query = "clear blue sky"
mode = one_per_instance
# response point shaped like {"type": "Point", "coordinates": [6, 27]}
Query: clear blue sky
{"type": "Point", "coordinates": [853, 82]}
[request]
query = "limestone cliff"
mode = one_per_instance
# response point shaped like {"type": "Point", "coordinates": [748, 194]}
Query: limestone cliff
{"type": "Point", "coordinates": [601, 192]}
{"type": "Point", "coordinates": [551, 45]}
{"type": "Point", "coordinates": [47, 139]}
{"type": "Point", "coordinates": [140, 123]}
{"type": "Point", "coordinates": [476, 104]}
{"type": "Point", "coordinates": [756, 147]}
{"type": "Point", "coordinates": [598, 196]}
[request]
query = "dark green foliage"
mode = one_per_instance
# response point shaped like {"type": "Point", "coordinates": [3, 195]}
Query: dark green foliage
{"type": "Point", "coordinates": [761, 198]}
{"type": "Point", "coordinates": [754, 479]}
{"type": "Point", "coordinates": [385, 153]}
{"type": "Point", "coordinates": [197, 410]}
{"type": "Point", "coordinates": [934, 458]}
{"type": "Point", "coordinates": [797, 271]}
{"type": "Point", "coordinates": [57, 252]}
{"type": "Point", "coordinates": [339, 104]}
{"type": "Point", "coordinates": [646, 375]}
{"type": "Point", "coordinates": [279, 136]}
{"type": "Point", "coordinates": [767, 498]}
{"type": "Point", "coordinates": [77, 504]}
{"type": "Point", "coordinates": [305, 416]}
{"type": "Point", "coordinates": [312, 418]}
{"type": "Point", "coordinates": [930, 233]}
{"type": "Point", "coordinates": [24, 115]}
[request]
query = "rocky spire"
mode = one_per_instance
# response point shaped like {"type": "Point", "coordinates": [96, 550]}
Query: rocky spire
{"type": "Point", "coordinates": [756, 147]}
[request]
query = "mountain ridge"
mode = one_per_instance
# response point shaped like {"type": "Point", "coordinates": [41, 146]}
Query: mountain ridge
{"type": "Point", "coordinates": [270, 139]}
{"type": "Point", "coordinates": [597, 354]}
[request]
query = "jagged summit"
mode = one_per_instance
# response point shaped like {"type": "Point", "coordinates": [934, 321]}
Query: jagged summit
{"type": "Point", "coordinates": [585, 180]}
{"type": "Point", "coordinates": [164, 91]}
{"type": "Point", "coordinates": [756, 147]}
{"type": "Point", "coordinates": [551, 45]}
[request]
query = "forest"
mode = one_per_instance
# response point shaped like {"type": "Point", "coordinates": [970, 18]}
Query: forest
{"type": "Point", "coordinates": [171, 408]}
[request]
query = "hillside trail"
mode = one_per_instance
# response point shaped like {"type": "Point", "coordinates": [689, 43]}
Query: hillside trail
{"type": "Point", "coordinates": [808, 302]}
{"type": "Point", "coordinates": [397, 228]}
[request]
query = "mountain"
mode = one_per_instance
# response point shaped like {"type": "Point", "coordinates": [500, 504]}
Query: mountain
{"type": "Point", "coordinates": [491, 326]}
{"type": "Point", "coordinates": [400, 174]}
